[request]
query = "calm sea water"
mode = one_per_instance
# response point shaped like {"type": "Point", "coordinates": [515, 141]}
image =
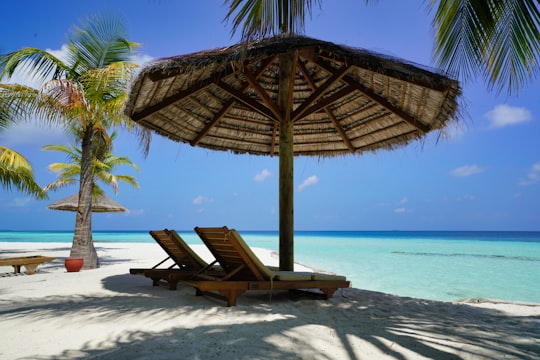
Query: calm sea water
{"type": "Point", "coordinates": [430, 265]}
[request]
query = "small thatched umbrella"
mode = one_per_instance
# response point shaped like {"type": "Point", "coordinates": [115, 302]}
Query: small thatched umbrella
{"type": "Point", "coordinates": [291, 96]}
{"type": "Point", "coordinates": [101, 203]}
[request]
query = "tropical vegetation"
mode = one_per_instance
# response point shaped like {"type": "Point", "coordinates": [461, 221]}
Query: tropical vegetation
{"type": "Point", "coordinates": [104, 162]}
{"type": "Point", "coordinates": [85, 87]}
{"type": "Point", "coordinates": [497, 39]}
{"type": "Point", "coordinates": [16, 172]}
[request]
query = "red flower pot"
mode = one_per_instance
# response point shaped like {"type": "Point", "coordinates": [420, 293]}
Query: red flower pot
{"type": "Point", "coordinates": [73, 264]}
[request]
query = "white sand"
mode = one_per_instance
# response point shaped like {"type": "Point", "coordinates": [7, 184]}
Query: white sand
{"type": "Point", "coordinates": [108, 313]}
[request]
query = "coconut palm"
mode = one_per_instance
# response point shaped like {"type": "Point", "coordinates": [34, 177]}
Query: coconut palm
{"type": "Point", "coordinates": [104, 163]}
{"type": "Point", "coordinates": [87, 87]}
{"type": "Point", "coordinates": [499, 39]}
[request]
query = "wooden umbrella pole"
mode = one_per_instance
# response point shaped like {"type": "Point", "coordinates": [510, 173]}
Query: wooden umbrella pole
{"type": "Point", "coordinates": [286, 159]}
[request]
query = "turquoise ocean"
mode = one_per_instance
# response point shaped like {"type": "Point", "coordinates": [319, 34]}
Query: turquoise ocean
{"type": "Point", "coordinates": [436, 265]}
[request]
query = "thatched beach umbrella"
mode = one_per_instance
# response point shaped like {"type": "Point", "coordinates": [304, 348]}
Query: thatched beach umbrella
{"type": "Point", "coordinates": [101, 203]}
{"type": "Point", "coordinates": [291, 96]}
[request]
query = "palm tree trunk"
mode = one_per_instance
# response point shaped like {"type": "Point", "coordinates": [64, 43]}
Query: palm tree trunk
{"type": "Point", "coordinates": [83, 245]}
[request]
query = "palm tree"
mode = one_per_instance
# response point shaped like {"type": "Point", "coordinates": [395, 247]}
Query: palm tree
{"type": "Point", "coordinates": [87, 89]}
{"type": "Point", "coordinates": [15, 171]}
{"type": "Point", "coordinates": [103, 164]}
{"type": "Point", "coordinates": [497, 38]}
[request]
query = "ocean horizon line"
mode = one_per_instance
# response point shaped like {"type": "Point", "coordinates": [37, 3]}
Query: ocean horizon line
{"type": "Point", "coordinates": [302, 230]}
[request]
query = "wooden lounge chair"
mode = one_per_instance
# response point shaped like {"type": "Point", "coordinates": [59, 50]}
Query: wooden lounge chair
{"type": "Point", "coordinates": [244, 271]}
{"type": "Point", "coordinates": [186, 261]}
{"type": "Point", "coordinates": [29, 262]}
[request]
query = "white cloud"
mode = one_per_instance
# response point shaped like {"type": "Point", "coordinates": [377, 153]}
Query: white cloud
{"type": "Point", "coordinates": [141, 59]}
{"type": "Point", "coordinates": [21, 202]}
{"type": "Point", "coordinates": [312, 180]}
{"type": "Point", "coordinates": [533, 176]}
{"type": "Point", "coordinates": [262, 175]}
{"type": "Point", "coordinates": [467, 170]}
{"type": "Point", "coordinates": [467, 197]}
{"type": "Point", "coordinates": [199, 200]}
{"type": "Point", "coordinates": [32, 132]}
{"type": "Point", "coordinates": [506, 115]}
{"type": "Point", "coordinates": [455, 131]}
{"type": "Point", "coordinates": [401, 209]}
{"type": "Point", "coordinates": [35, 131]}
{"type": "Point", "coordinates": [135, 212]}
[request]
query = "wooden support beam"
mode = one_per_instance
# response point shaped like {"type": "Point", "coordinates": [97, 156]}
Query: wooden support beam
{"type": "Point", "coordinates": [379, 99]}
{"type": "Point", "coordinates": [319, 92]}
{"type": "Point", "coordinates": [327, 109]}
{"type": "Point", "coordinates": [286, 158]}
{"type": "Point", "coordinates": [388, 106]}
{"type": "Point", "coordinates": [169, 100]}
{"type": "Point", "coordinates": [246, 100]}
{"type": "Point", "coordinates": [229, 104]}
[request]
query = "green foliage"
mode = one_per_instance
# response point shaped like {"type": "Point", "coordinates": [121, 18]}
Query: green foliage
{"type": "Point", "coordinates": [16, 172]}
{"type": "Point", "coordinates": [496, 39]}
{"type": "Point", "coordinates": [104, 162]}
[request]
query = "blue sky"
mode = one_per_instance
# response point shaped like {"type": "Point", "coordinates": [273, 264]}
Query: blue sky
{"type": "Point", "coordinates": [485, 176]}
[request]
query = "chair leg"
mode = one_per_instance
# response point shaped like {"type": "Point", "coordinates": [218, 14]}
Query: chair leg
{"type": "Point", "coordinates": [231, 295]}
{"type": "Point", "coordinates": [328, 292]}
{"type": "Point", "coordinates": [30, 268]}
{"type": "Point", "coordinates": [173, 284]}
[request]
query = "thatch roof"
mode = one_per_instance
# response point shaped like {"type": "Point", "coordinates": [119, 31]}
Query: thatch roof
{"type": "Point", "coordinates": [101, 203]}
{"type": "Point", "coordinates": [345, 100]}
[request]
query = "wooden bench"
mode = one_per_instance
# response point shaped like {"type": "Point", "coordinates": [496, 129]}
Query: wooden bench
{"type": "Point", "coordinates": [29, 262]}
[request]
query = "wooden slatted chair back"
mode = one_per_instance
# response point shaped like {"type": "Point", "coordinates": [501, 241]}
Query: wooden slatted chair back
{"type": "Point", "coordinates": [178, 250]}
{"type": "Point", "coordinates": [233, 254]}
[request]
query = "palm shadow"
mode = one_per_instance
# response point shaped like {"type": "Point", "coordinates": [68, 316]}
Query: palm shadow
{"type": "Point", "coordinates": [284, 325]}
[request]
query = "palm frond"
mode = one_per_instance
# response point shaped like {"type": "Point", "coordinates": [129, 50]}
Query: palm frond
{"type": "Point", "coordinates": [59, 184]}
{"type": "Point", "coordinates": [497, 39]}
{"type": "Point", "coordinates": [16, 172]}
{"type": "Point", "coordinates": [261, 18]}
{"type": "Point", "coordinates": [11, 159]}
{"type": "Point", "coordinates": [38, 64]}
{"type": "Point", "coordinates": [513, 56]}
{"type": "Point", "coordinates": [99, 41]}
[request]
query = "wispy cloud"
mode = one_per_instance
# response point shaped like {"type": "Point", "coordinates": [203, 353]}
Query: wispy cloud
{"type": "Point", "coordinates": [201, 199]}
{"type": "Point", "coordinates": [506, 115]}
{"type": "Point", "coordinates": [467, 170]}
{"type": "Point", "coordinates": [21, 202]}
{"type": "Point", "coordinates": [467, 197]}
{"type": "Point", "coordinates": [455, 131]}
{"type": "Point", "coordinates": [32, 132]}
{"type": "Point", "coordinates": [141, 59]}
{"type": "Point", "coordinates": [312, 180]}
{"type": "Point", "coordinates": [401, 209]}
{"type": "Point", "coordinates": [135, 212]}
{"type": "Point", "coordinates": [533, 176]}
{"type": "Point", "coordinates": [35, 131]}
{"type": "Point", "coordinates": [262, 175]}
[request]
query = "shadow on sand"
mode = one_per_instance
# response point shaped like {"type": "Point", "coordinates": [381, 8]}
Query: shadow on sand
{"type": "Point", "coordinates": [283, 327]}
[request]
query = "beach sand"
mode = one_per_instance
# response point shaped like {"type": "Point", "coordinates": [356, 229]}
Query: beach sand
{"type": "Point", "coordinates": [108, 313]}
